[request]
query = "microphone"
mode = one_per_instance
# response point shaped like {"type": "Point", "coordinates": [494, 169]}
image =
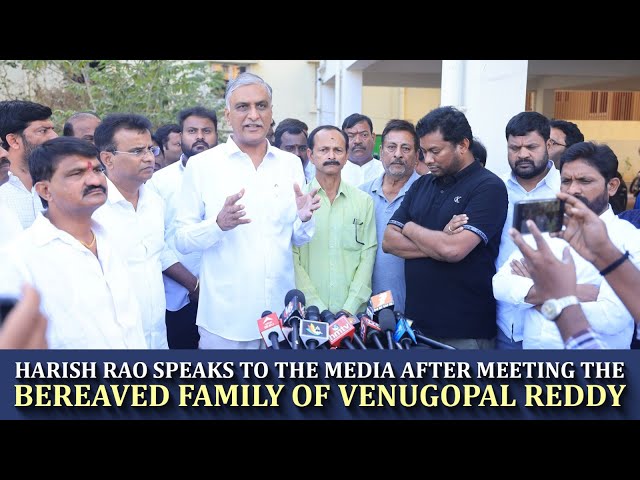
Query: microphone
{"type": "Point", "coordinates": [340, 330]}
{"type": "Point", "coordinates": [314, 333]}
{"type": "Point", "coordinates": [355, 322]}
{"type": "Point", "coordinates": [293, 314]}
{"type": "Point", "coordinates": [403, 334]}
{"type": "Point", "coordinates": [270, 329]}
{"type": "Point", "coordinates": [420, 338]}
{"type": "Point", "coordinates": [312, 313]}
{"type": "Point", "coordinates": [370, 331]}
{"type": "Point", "coordinates": [379, 302]}
{"type": "Point", "coordinates": [388, 325]}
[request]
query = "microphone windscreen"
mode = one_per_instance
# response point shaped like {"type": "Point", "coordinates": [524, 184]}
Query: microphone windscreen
{"type": "Point", "coordinates": [387, 320]}
{"type": "Point", "coordinates": [294, 293]}
{"type": "Point", "coordinates": [266, 312]}
{"type": "Point", "coordinates": [313, 313]}
{"type": "Point", "coordinates": [327, 316]}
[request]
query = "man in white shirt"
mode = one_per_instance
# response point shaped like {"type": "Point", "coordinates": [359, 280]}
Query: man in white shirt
{"type": "Point", "coordinates": [361, 167]}
{"type": "Point", "coordinates": [291, 136]}
{"type": "Point", "coordinates": [23, 126]}
{"type": "Point", "coordinates": [134, 214]}
{"type": "Point", "coordinates": [68, 258]}
{"type": "Point", "coordinates": [10, 224]}
{"type": "Point", "coordinates": [199, 132]}
{"type": "Point", "coordinates": [588, 172]}
{"type": "Point", "coordinates": [533, 177]}
{"type": "Point", "coordinates": [241, 205]}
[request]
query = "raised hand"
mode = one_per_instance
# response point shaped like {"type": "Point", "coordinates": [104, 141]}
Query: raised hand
{"type": "Point", "coordinates": [552, 278]}
{"type": "Point", "coordinates": [231, 214]}
{"type": "Point", "coordinates": [306, 203]}
{"type": "Point", "coordinates": [585, 231]}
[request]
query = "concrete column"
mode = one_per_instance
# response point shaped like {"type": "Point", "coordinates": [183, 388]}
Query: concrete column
{"type": "Point", "coordinates": [489, 92]}
{"type": "Point", "coordinates": [348, 93]}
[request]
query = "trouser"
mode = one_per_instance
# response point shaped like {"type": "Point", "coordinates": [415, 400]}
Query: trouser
{"type": "Point", "coordinates": [182, 331]}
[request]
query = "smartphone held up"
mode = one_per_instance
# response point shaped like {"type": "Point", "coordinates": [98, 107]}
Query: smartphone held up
{"type": "Point", "coordinates": [547, 214]}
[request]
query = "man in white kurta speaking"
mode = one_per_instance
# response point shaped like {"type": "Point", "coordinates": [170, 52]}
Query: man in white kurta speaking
{"type": "Point", "coordinates": [242, 206]}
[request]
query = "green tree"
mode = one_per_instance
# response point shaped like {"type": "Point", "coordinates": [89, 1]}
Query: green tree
{"type": "Point", "coordinates": [158, 89]}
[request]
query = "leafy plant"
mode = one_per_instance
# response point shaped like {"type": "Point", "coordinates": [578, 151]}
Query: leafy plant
{"type": "Point", "coordinates": [158, 89]}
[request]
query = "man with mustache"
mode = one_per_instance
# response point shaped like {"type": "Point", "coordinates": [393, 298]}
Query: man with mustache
{"type": "Point", "coordinates": [68, 257]}
{"type": "Point", "coordinates": [241, 206]}
{"type": "Point", "coordinates": [134, 214]}
{"type": "Point", "coordinates": [399, 156]}
{"type": "Point", "coordinates": [588, 173]}
{"type": "Point", "coordinates": [334, 269]}
{"type": "Point", "coordinates": [533, 176]}
{"type": "Point", "coordinates": [199, 132]}
{"type": "Point", "coordinates": [23, 126]}
{"type": "Point", "coordinates": [362, 167]}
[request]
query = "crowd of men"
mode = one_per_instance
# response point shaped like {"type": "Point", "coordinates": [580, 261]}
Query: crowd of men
{"type": "Point", "coordinates": [118, 236]}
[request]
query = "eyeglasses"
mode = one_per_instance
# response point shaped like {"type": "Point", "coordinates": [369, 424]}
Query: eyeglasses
{"type": "Point", "coordinates": [141, 152]}
{"type": "Point", "coordinates": [555, 144]}
{"type": "Point", "coordinates": [358, 223]}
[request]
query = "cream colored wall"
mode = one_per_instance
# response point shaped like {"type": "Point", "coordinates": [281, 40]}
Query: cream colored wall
{"type": "Point", "coordinates": [382, 104]}
{"type": "Point", "coordinates": [420, 101]}
{"type": "Point", "coordinates": [294, 88]}
{"type": "Point", "coordinates": [622, 137]}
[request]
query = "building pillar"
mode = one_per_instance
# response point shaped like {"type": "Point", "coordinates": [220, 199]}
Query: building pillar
{"type": "Point", "coordinates": [489, 92]}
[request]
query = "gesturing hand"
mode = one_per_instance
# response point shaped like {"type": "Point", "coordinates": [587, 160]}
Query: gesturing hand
{"type": "Point", "coordinates": [306, 203]}
{"type": "Point", "coordinates": [585, 231]}
{"type": "Point", "coordinates": [231, 214]}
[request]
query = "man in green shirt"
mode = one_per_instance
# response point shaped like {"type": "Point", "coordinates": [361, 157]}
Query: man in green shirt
{"type": "Point", "coordinates": [334, 269]}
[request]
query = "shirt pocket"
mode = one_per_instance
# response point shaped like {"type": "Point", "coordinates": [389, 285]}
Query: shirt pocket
{"type": "Point", "coordinates": [352, 235]}
{"type": "Point", "coordinates": [281, 204]}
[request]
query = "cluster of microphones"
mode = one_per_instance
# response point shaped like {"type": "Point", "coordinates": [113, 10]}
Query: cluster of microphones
{"type": "Point", "coordinates": [379, 327]}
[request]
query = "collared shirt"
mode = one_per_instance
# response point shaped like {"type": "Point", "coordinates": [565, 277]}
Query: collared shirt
{"type": "Point", "coordinates": [309, 171]}
{"type": "Point", "coordinates": [248, 269]}
{"type": "Point", "coordinates": [87, 300]}
{"type": "Point", "coordinates": [25, 203]}
{"type": "Point", "coordinates": [10, 225]}
{"type": "Point", "coordinates": [334, 269]}
{"type": "Point", "coordinates": [607, 315]}
{"type": "Point", "coordinates": [454, 299]}
{"type": "Point", "coordinates": [547, 187]}
{"type": "Point", "coordinates": [356, 175]}
{"type": "Point", "coordinates": [388, 270]}
{"type": "Point", "coordinates": [138, 235]}
{"type": "Point", "coordinates": [167, 183]}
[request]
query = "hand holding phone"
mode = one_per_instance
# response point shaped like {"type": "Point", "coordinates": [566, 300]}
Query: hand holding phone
{"type": "Point", "coordinates": [547, 214]}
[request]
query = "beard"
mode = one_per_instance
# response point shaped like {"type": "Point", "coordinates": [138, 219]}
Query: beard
{"type": "Point", "coordinates": [531, 172]}
{"type": "Point", "coordinates": [598, 205]}
{"type": "Point", "coordinates": [28, 148]}
{"type": "Point", "coordinates": [191, 151]}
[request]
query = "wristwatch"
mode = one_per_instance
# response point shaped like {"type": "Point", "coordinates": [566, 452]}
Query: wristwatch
{"type": "Point", "coordinates": [552, 308]}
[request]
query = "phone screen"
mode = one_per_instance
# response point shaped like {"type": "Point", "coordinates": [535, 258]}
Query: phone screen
{"type": "Point", "coordinates": [548, 215]}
